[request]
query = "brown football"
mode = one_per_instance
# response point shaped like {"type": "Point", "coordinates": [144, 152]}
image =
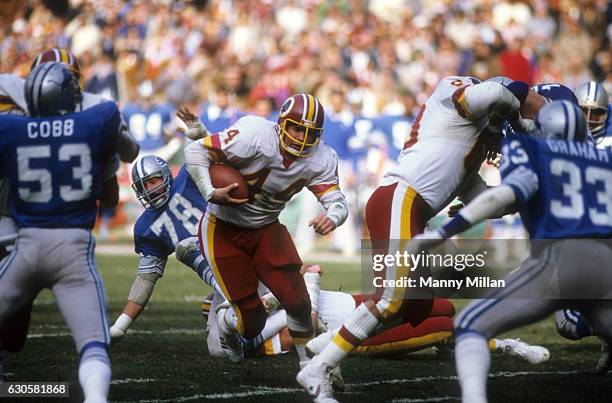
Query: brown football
{"type": "Point", "coordinates": [224, 175]}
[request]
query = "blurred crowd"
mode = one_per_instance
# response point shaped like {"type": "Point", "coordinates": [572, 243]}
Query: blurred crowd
{"type": "Point", "coordinates": [371, 63]}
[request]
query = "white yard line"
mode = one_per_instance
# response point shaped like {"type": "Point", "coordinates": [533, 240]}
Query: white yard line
{"type": "Point", "coordinates": [131, 380]}
{"type": "Point", "coordinates": [269, 391]}
{"type": "Point", "coordinates": [166, 331]}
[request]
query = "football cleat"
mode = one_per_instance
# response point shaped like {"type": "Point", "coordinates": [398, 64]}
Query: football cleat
{"type": "Point", "coordinates": [229, 338]}
{"type": "Point", "coordinates": [531, 354]}
{"type": "Point", "coordinates": [315, 378]}
{"type": "Point", "coordinates": [605, 362]}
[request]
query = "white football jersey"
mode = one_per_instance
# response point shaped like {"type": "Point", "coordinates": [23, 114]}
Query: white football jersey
{"type": "Point", "coordinates": [442, 153]}
{"type": "Point", "coordinates": [251, 146]}
{"type": "Point", "coordinates": [12, 86]}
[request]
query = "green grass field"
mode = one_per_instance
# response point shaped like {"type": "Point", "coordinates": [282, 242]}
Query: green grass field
{"type": "Point", "coordinates": [164, 358]}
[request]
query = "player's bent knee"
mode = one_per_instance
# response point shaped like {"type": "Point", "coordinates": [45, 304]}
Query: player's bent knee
{"type": "Point", "coordinates": [252, 315]}
{"type": "Point", "coordinates": [187, 250]}
{"type": "Point", "coordinates": [142, 288]}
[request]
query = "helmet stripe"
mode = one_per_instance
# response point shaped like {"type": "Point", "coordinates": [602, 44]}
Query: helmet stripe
{"type": "Point", "coordinates": [316, 111]}
{"type": "Point", "coordinates": [592, 92]}
{"type": "Point", "coordinates": [304, 107]}
{"type": "Point", "coordinates": [57, 54]}
{"type": "Point", "coordinates": [311, 108]}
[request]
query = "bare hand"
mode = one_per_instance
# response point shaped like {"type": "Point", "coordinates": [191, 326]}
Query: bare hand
{"type": "Point", "coordinates": [221, 196]}
{"type": "Point", "coordinates": [322, 224]}
{"type": "Point", "coordinates": [454, 209]}
{"type": "Point", "coordinates": [185, 114]}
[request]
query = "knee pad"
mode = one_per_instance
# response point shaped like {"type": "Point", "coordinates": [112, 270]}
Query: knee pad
{"type": "Point", "coordinates": [142, 288]}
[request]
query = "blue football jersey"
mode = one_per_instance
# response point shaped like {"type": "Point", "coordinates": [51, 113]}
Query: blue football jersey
{"type": "Point", "coordinates": [55, 165]}
{"type": "Point", "coordinates": [147, 125]}
{"type": "Point", "coordinates": [336, 134]}
{"type": "Point", "coordinates": [157, 232]}
{"type": "Point", "coordinates": [564, 187]}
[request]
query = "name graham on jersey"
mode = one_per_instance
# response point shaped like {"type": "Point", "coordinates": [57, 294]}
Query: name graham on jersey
{"type": "Point", "coordinates": [468, 282]}
{"type": "Point", "coordinates": [575, 149]}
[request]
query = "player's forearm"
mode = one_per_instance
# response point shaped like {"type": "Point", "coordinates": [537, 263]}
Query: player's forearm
{"type": "Point", "coordinates": [488, 204]}
{"type": "Point", "coordinates": [336, 206]}
{"type": "Point", "coordinates": [198, 164]}
{"type": "Point", "coordinates": [109, 197]}
{"type": "Point", "coordinates": [127, 147]}
{"type": "Point", "coordinates": [490, 97]}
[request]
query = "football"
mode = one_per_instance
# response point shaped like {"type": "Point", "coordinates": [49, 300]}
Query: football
{"type": "Point", "coordinates": [224, 175]}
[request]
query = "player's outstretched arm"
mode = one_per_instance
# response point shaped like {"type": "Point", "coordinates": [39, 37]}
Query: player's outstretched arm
{"type": "Point", "coordinates": [488, 204]}
{"type": "Point", "coordinates": [150, 270]}
{"type": "Point", "coordinates": [195, 128]}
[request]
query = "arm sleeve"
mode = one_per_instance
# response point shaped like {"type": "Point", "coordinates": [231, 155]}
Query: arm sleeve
{"type": "Point", "coordinates": [233, 145]}
{"type": "Point", "coordinates": [151, 264]}
{"type": "Point", "coordinates": [198, 162]}
{"type": "Point", "coordinates": [478, 101]}
{"type": "Point", "coordinates": [325, 187]}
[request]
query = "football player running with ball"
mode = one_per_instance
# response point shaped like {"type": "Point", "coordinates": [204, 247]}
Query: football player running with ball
{"type": "Point", "coordinates": [242, 239]}
{"type": "Point", "coordinates": [56, 162]}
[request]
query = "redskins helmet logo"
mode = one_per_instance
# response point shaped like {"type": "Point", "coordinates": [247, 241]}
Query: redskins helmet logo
{"type": "Point", "coordinates": [286, 107]}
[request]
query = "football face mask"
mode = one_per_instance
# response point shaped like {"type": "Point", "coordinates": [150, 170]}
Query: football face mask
{"type": "Point", "coordinates": [301, 124]}
{"type": "Point", "coordinates": [152, 181]}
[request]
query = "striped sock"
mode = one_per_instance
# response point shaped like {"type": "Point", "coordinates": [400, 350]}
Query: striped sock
{"type": "Point", "coordinates": [354, 331]}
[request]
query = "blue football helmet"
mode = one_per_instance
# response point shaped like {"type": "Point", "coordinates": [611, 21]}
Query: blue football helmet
{"type": "Point", "coordinates": [148, 169]}
{"type": "Point", "coordinates": [52, 90]}
{"type": "Point", "coordinates": [562, 120]}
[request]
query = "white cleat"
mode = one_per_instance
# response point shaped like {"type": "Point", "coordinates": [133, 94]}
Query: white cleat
{"type": "Point", "coordinates": [315, 378]}
{"type": "Point", "coordinates": [531, 354]}
{"type": "Point", "coordinates": [229, 338]}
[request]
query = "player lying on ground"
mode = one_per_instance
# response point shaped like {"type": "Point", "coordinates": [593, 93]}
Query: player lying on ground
{"type": "Point", "coordinates": [169, 224]}
{"type": "Point", "coordinates": [561, 185]}
{"type": "Point", "coordinates": [332, 307]}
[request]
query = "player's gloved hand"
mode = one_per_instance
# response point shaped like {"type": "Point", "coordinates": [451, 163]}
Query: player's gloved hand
{"type": "Point", "coordinates": [221, 196]}
{"type": "Point", "coordinates": [120, 327]}
{"type": "Point", "coordinates": [116, 333]}
{"type": "Point", "coordinates": [195, 129]}
{"type": "Point", "coordinates": [322, 224]}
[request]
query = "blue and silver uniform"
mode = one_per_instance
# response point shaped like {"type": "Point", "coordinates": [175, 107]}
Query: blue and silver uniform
{"type": "Point", "coordinates": [157, 232]}
{"type": "Point", "coordinates": [55, 165]}
{"type": "Point", "coordinates": [564, 187]}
